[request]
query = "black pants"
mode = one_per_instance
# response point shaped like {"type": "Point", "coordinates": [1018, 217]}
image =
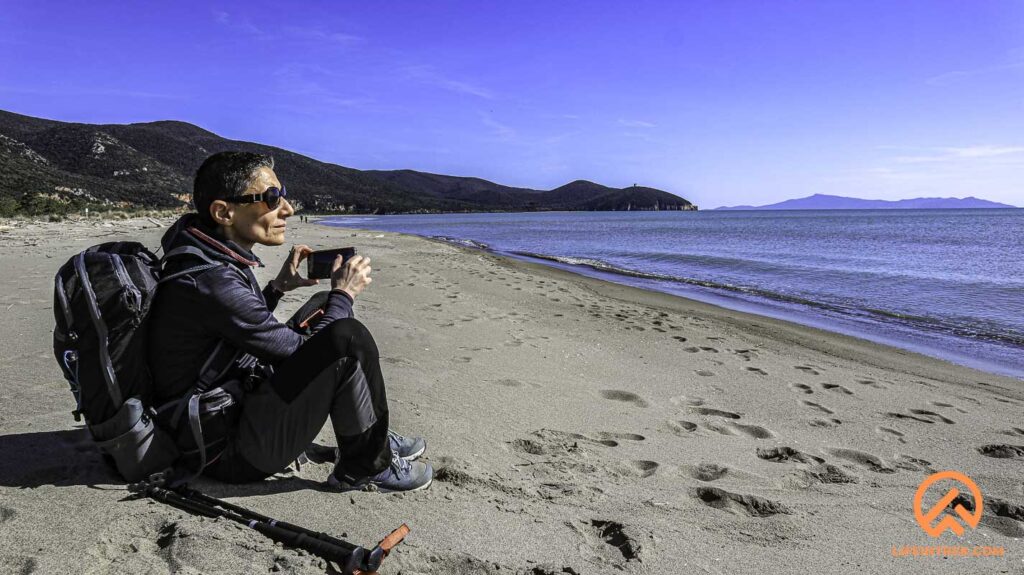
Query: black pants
{"type": "Point", "coordinates": [336, 374]}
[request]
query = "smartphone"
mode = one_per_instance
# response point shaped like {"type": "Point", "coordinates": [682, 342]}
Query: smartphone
{"type": "Point", "coordinates": [319, 263]}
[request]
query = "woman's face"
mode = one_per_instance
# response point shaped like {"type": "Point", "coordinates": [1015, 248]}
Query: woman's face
{"type": "Point", "coordinates": [255, 223]}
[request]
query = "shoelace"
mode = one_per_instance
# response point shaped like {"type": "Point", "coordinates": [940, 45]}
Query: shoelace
{"type": "Point", "coordinates": [398, 465]}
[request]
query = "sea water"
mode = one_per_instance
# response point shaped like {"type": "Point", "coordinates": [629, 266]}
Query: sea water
{"type": "Point", "coordinates": [948, 283]}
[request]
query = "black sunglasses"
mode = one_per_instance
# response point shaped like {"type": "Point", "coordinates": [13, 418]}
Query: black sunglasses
{"type": "Point", "coordinates": [272, 197]}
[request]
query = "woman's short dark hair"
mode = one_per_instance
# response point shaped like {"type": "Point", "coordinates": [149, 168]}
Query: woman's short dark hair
{"type": "Point", "coordinates": [223, 175]}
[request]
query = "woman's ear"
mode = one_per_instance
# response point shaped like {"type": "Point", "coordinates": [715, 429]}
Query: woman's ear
{"type": "Point", "coordinates": [222, 212]}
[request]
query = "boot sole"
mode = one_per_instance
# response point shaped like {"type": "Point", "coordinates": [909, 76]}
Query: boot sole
{"type": "Point", "coordinates": [337, 485]}
{"type": "Point", "coordinates": [415, 456]}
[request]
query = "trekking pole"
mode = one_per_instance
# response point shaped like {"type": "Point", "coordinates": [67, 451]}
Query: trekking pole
{"type": "Point", "coordinates": [374, 556]}
{"type": "Point", "coordinates": [249, 514]}
{"type": "Point", "coordinates": [352, 558]}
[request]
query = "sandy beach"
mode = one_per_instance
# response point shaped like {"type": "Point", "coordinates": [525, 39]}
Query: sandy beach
{"type": "Point", "coordinates": [576, 426]}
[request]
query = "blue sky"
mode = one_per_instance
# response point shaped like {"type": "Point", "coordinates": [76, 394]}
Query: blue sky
{"type": "Point", "coordinates": [720, 102]}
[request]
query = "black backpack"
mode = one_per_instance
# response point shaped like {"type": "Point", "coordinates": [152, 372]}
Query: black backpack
{"type": "Point", "coordinates": [101, 303]}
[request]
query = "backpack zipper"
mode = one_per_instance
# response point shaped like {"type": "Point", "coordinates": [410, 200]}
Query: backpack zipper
{"type": "Point", "coordinates": [127, 283]}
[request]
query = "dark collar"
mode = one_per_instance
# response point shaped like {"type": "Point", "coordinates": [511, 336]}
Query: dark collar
{"type": "Point", "coordinates": [226, 247]}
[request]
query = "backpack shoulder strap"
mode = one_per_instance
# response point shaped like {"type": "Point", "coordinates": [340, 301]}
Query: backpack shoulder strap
{"type": "Point", "coordinates": [210, 263]}
{"type": "Point", "coordinates": [220, 361]}
{"type": "Point", "coordinates": [190, 250]}
{"type": "Point", "coordinates": [101, 330]}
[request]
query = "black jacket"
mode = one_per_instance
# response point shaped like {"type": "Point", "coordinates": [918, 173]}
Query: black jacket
{"type": "Point", "coordinates": [192, 313]}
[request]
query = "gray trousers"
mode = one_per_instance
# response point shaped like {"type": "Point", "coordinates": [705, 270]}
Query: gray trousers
{"type": "Point", "coordinates": [335, 374]}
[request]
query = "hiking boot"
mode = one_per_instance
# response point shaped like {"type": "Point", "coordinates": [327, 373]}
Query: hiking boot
{"type": "Point", "coordinates": [400, 475]}
{"type": "Point", "coordinates": [408, 448]}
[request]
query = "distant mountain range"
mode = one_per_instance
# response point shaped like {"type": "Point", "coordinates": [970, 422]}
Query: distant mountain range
{"type": "Point", "coordinates": [46, 165]}
{"type": "Point", "coordinates": [826, 202]}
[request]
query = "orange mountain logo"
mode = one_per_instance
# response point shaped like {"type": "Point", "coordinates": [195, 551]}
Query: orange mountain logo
{"type": "Point", "coordinates": [926, 518]}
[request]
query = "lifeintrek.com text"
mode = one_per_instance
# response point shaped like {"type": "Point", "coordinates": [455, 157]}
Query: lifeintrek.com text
{"type": "Point", "coordinates": [947, 551]}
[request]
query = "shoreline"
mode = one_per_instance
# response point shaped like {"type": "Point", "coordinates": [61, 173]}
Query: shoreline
{"type": "Point", "coordinates": [762, 309]}
{"type": "Point", "coordinates": [846, 346]}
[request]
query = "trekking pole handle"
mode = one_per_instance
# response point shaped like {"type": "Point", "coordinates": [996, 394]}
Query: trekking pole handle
{"type": "Point", "coordinates": [349, 559]}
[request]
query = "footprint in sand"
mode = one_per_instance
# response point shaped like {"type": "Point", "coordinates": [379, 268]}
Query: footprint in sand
{"type": "Point", "coordinates": [1002, 451]}
{"type": "Point", "coordinates": [922, 415]}
{"type": "Point", "coordinates": [704, 373]}
{"type": "Point", "coordinates": [623, 396]}
{"type": "Point", "coordinates": [757, 370]}
{"type": "Point", "coordinates": [826, 473]}
{"type": "Point", "coordinates": [606, 435]}
{"type": "Point", "coordinates": [787, 455]}
{"type": "Point", "coordinates": [708, 472]}
{"type": "Point", "coordinates": [870, 383]}
{"type": "Point", "coordinates": [825, 423]}
{"type": "Point", "coordinates": [714, 412]}
{"type": "Point", "coordinates": [888, 433]}
{"type": "Point", "coordinates": [808, 369]}
{"type": "Point", "coordinates": [1001, 516]}
{"type": "Point", "coordinates": [948, 405]}
{"type": "Point", "coordinates": [605, 543]}
{"type": "Point", "coordinates": [679, 338]}
{"type": "Point", "coordinates": [686, 400]}
{"type": "Point", "coordinates": [801, 388]}
{"type": "Point", "coordinates": [682, 427]}
{"type": "Point", "coordinates": [817, 406]}
{"type": "Point", "coordinates": [746, 354]}
{"type": "Point", "coordinates": [6, 514]}
{"type": "Point", "coordinates": [1014, 431]}
{"type": "Point", "coordinates": [644, 468]}
{"type": "Point", "coordinates": [836, 388]}
{"type": "Point", "coordinates": [752, 431]}
{"type": "Point", "coordinates": [735, 502]}
{"type": "Point", "coordinates": [865, 460]}
{"type": "Point", "coordinates": [908, 463]}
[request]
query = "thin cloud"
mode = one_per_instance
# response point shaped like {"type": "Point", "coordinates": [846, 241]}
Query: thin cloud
{"type": "Point", "coordinates": [499, 130]}
{"type": "Point", "coordinates": [949, 154]}
{"type": "Point", "coordinates": [958, 75]}
{"type": "Point", "coordinates": [239, 24]}
{"type": "Point", "coordinates": [559, 138]}
{"type": "Point", "coordinates": [323, 37]}
{"type": "Point", "coordinates": [985, 151]}
{"type": "Point", "coordinates": [636, 124]}
{"type": "Point", "coordinates": [429, 75]}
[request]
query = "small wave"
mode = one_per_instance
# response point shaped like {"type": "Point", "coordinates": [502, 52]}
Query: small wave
{"type": "Point", "coordinates": [462, 242]}
{"type": "Point", "coordinates": [346, 221]}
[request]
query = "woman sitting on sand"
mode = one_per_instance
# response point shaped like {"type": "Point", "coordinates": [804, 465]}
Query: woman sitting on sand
{"type": "Point", "coordinates": [335, 373]}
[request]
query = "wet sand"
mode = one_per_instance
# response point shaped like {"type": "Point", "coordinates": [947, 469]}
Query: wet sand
{"type": "Point", "coordinates": [576, 426]}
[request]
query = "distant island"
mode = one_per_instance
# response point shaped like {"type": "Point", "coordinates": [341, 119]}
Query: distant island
{"type": "Point", "coordinates": [826, 202]}
{"type": "Point", "coordinates": [49, 167]}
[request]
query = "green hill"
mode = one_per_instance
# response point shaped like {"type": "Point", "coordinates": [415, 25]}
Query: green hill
{"type": "Point", "coordinates": [48, 166]}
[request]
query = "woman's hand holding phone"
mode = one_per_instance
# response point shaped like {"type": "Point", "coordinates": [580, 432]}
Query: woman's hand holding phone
{"type": "Point", "coordinates": [351, 276]}
{"type": "Point", "coordinates": [289, 278]}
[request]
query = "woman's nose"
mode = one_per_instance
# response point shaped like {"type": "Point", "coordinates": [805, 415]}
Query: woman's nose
{"type": "Point", "coordinates": [286, 208]}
